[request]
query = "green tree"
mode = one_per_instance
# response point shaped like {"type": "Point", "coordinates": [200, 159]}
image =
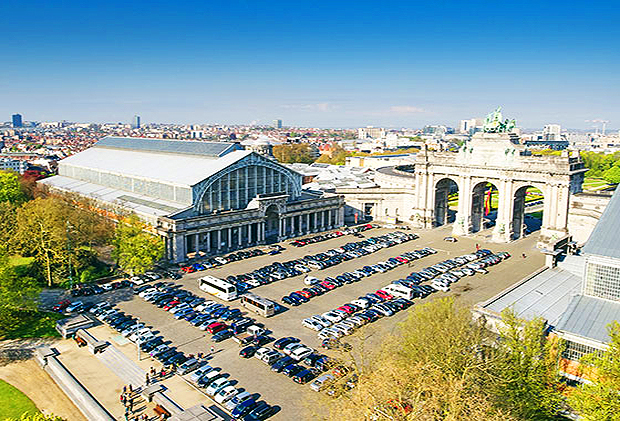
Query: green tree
{"type": "Point", "coordinates": [294, 152]}
{"type": "Point", "coordinates": [18, 293]}
{"type": "Point", "coordinates": [600, 400]}
{"type": "Point", "coordinates": [136, 250]}
{"type": "Point", "coordinates": [56, 228]}
{"type": "Point", "coordinates": [612, 175]}
{"type": "Point", "coordinates": [10, 187]}
{"type": "Point", "coordinates": [338, 157]}
{"type": "Point", "coordinates": [528, 384]}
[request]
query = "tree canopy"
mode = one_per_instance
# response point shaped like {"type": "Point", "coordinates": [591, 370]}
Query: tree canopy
{"type": "Point", "coordinates": [18, 293]}
{"type": "Point", "coordinates": [599, 164]}
{"type": "Point", "coordinates": [136, 250]}
{"type": "Point", "coordinates": [294, 152]}
{"type": "Point", "coordinates": [443, 366]}
{"type": "Point", "coordinates": [10, 187]}
{"type": "Point", "coordinates": [600, 400]}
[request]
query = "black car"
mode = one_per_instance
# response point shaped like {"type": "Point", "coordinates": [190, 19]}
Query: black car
{"type": "Point", "coordinates": [248, 351]}
{"type": "Point", "coordinates": [222, 335]}
{"type": "Point", "coordinates": [261, 340]}
{"type": "Point", "coordinates": [150, 345]}
{"type": "Point", "coordinates": [282, 342]}
{"type": "Point", "coordinates": [279, 365]}
{"type": "Point", "coordinates": [292, 369]}
{"type": "Point", "coordinates": [163, 356]}
{"type": "Point", "coordinates": [303, 376]}
{"type": "Point", "coordinates": [177, 359]}
{"type": "Point", "coordinates": [260, 412]}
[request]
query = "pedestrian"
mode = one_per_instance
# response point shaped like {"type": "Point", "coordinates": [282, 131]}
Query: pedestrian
{"type": "Point", "coordinates": [130, 388]}
{"type": "Point", "coordinates": [122, 398]}
{"type": "Point", "coordinates": [524, 256]}
{"type": "Point", "coordinates": [212, 350]}
{"type": "Point", "coordinates": [147, 379]}
{"type": "Point", "coordinates": [131, 405]}
{"type": "Point", "coordinates": [124, 389]}
{"type": "Point", "coordinates": [477, 246]}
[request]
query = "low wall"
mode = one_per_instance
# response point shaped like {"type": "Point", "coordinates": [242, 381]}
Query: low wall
{"type": "Point", "coordinates": [81, 397]}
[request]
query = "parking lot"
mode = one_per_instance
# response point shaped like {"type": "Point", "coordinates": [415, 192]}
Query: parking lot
{"type": "Point", "coordinates": [254, 375]}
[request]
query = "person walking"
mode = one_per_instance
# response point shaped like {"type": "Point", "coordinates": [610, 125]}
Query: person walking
{"type": "Point", "coordinates": [124, 389]}
{"type": "Point", "coordinates": [212, 350]}
{"type": "Point", "coordinates": [524, 256]}
{"type": "Point", "coordinates": [130, 388]}
{"type": "Point", "coordinates": [147, 379]}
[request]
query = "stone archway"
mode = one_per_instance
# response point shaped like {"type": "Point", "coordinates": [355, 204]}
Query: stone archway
{"type": "Point", "coordinates": [272, 224]}
{"type": "Point", "coordinates": [443, 214]}
{"type": "Point", "coordinates": [482, 206]}
{"type": "Point", "coordinates": [520, 204]}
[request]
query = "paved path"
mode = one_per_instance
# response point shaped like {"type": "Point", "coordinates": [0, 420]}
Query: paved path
{"type": "Point", "coordinates": [122, 366]}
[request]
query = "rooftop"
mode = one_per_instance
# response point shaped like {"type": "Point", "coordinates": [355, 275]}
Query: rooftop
{"type": "Point", "coordinates": [183, 147]}
{"type": "Point", "coordinates": [604, 238]}
{"type": "Point", "coordinates": [588, 317]}
{"type": "Point", "coordinates": [546, 294]}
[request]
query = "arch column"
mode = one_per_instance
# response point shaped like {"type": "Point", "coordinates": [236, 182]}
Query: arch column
{"type": "Point", "coordinates": [462, 224]}
{"type": "Point", "coordinates": [503, 224]}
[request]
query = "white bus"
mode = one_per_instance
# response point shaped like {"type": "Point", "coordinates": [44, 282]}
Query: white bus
{"type": "Point", "coordinates": [219, 288]}
{"type": "Point", "coordinates": [258, 304]}
{"type": "Point", "coordinates": [400, 291]}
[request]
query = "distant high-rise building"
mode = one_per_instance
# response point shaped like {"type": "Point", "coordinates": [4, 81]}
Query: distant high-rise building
{"type": "Point", "coordinates": [470, 126]}
{"type": "Point", "coordinates": [136, 122]}
{"type": "Point", "coordinates": [17, 120]}
{"type": "Point", "coordinates": [370, 132]}
{"type": "Point", "coordinates": [277, 123]}
{"type": "Point", "coordinates": [552, 132]}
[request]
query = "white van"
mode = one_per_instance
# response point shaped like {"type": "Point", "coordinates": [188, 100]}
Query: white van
{"type": "Point", "coordinates": [318, 384]}
{"type": "Point", "coordinates": [400, 291]}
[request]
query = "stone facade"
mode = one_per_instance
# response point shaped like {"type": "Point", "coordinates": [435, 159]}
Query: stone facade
{"type": "Point", "coordinates": [419, 195]}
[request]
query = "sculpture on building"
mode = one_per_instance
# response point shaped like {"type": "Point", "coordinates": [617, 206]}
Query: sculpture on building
{"type": "Point", "coordinates": [493, 123]}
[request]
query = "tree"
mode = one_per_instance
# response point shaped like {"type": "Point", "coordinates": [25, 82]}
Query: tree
{"type": "Point", "coordinates": [17, 294]}
{"type": "Point", "coordinates": [612, 175]}
{"type": "Point", "coordinates": [55, 230]}
{"type": "Point", "coordinates": [10, 187]}
{"type": "Point", "coordinates": [134, 249]}
{"type": "Point", "coordinates": [600, 400]}
{"type": "Point", "coordinates": [294, 152]}
{"type": "Point", "coordinates": [528, 383]}
{"type": "Point", "coordinates": [338, 156]}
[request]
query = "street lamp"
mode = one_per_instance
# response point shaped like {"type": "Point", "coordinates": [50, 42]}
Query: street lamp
{"type": "Point", "coordinates": [67, 228]}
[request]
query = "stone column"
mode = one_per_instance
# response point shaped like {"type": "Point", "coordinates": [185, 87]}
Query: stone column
{"type": "Point", "coordinates": [178, 248]}
{"type": "Point", "coordinates": [250, 233]}
{"type": "Point", "coordinates": [239, 235]}
{"type": "Point", "coordinates": [307, 230]}
{"type": "Point", "coordinates": [283, 231]}
{"type": "Point", "coordinates": [208, 242]}
{"type": "Point", "coordinates": [229, 243]}
{"type": "Point", "coordinates": [462, 224]}
{"type": "Point", "coordinates": [503, 224]}
{"type": "Point", "coordinates": [197, 244]}
{"type": "Point", "coordinates": [219, 240]}
{"type": "Point", "coordinates": [315, 215]}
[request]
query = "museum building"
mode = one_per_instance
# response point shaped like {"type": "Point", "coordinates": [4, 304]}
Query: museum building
{"type": "Point", "coordinates": [201, 197]}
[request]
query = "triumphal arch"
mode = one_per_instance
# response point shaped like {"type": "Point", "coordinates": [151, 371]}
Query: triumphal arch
{"type": "Point", "coordinates": [495, 160]}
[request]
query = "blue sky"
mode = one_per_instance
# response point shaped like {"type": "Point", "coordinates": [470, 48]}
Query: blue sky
{"type": "Point", "coordinates": [319, 63]}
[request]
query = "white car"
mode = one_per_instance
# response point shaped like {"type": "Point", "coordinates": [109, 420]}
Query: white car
{"type": "Point", "coordinates": [311, 324]}
{"type": "Point", "coordinates": [99, 306]}
{"type": "Point", "coordinates": [221, 260]}
{"type": "Point", "coordinates": [218, 384]}
{"type": "Point", "coordinates": [301, 353]}
{"type": "Point", "coordinates": [291, 348]}
{"type": "Point", "coordinates": [147, 291]}
{"type": "Point", "coordinates": [328, 333]}
{"type": "Point", "coordinates": [311, 280]}
{"type": "Point", "coordinates": [226, 394]}
{"type": "Point", "coordinates": [261, 352]}
{"type": "Point", "coordinates": [321, 320]}
{"type": "Point", "coordinates": [357, 321]}
{"type": "Point", "coordinates": [439, 287]}
{"type": "Point", "coordinates": [345, 329]}
{"type": "Point", "coordinates": [131, 329]}
{"type": "Point", "coordinates": [361, 303]}
{"type": "Point", "coordinates": [200, 372]}
{"type": "Point", "coordinates": [332, 317]}
{"type": "Point", "coordinates": [179, 307]}
{"type": "Point", "coordinates": [135, 335]}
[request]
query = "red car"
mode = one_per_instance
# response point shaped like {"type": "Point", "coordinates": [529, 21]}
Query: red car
{"type": "Point", "coordinates": [328, 285]}
{"type": "Point", "coordinates": [216, 327]}
{"type": "Point", "coordinates": [381, 293]}
{"type": "Point", "coordinates": [171, 304]}
{"type": "Point", "coordinates": [188, 269]}
{"type": "Point", "coordinates": [347, 309]}
{"type": "Point", "coordinates": [401, 259]}
{"type": "Point", "coordinates": [61, 305]}
{"type": "Point", "coordinates": [304, 294]}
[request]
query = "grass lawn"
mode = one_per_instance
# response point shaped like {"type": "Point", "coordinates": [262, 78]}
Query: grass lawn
{"type": "Point", "coordinates": [14, 403]}
{"type": "Point", "coordinates": [36, 325]}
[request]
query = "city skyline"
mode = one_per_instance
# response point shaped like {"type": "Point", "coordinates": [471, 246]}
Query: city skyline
{"type": "Point", "coordinates": [344, 65]}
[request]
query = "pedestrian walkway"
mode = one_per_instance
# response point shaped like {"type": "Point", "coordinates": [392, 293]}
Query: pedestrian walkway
{"type": "Point", "coordinates": [122, 366]}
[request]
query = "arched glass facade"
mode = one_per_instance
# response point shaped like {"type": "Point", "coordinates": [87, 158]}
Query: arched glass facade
{"type": "Point", "coordinates": [237, 188]}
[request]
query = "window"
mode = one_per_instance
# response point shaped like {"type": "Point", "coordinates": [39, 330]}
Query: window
{"type": "Point", "coordinates": [574, 350]}
{"type": "Point", "coordinates": [602, 281]}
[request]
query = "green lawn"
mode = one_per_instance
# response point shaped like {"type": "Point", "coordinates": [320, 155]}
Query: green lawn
{"type": "Point", "coordinates": [14, 403]}
{"type": "Point", "coordinates": [35, 325]}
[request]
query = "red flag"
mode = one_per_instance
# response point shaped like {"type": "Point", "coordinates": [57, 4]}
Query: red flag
{"type": "Point", "coordinates": [487, 203]}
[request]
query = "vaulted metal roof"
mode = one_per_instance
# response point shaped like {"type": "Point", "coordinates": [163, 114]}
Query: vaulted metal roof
{"type": "Point", "coordinates": [588, 317]}
{"type": "Point", "coordinates": [183, 147]}
{"type": "Point", "coordinates": [604, 240]}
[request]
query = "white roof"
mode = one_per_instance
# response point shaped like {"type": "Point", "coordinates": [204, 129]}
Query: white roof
{"type": "Point", "coordinates": [170, 168]}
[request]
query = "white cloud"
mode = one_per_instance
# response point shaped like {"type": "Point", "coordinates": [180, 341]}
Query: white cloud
{"type": "Point", "coordinates": [405, 109]}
